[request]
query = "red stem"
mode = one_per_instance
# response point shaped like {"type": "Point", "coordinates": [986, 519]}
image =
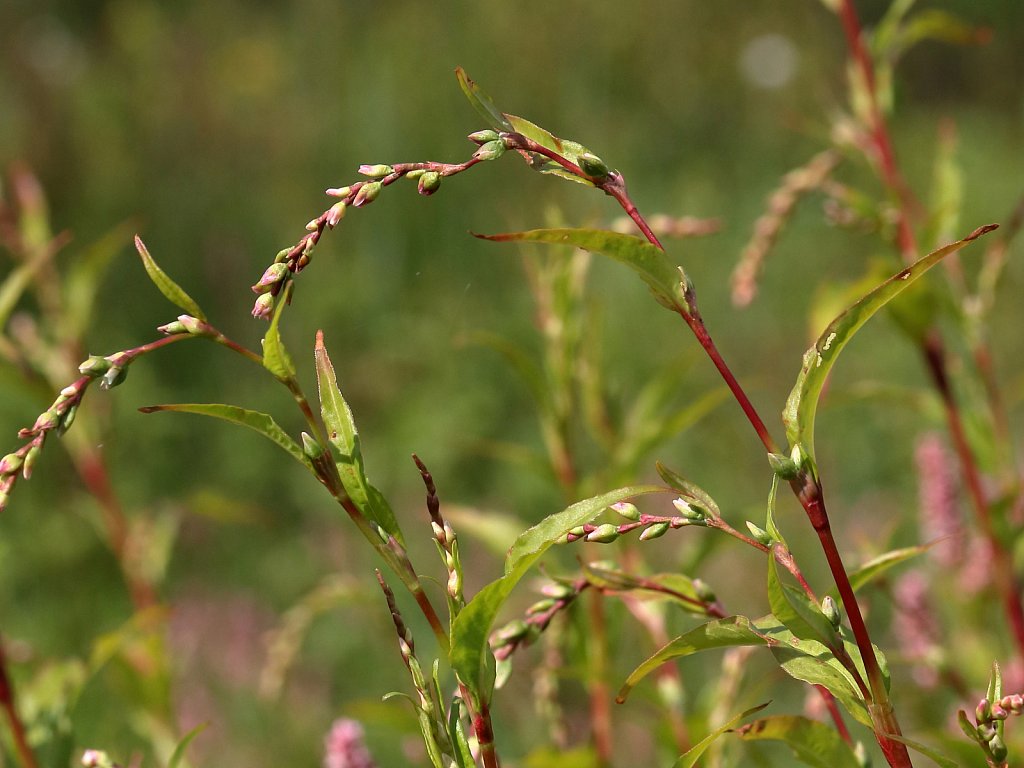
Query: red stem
{"type": "Point", "coordinates": [25, 753]}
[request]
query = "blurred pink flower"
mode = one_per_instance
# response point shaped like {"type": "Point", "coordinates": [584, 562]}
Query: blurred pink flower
{"type": "Point", "coordinates": [916, 628]}
{"type": "Point", "coordinates": [344, 746]}
{"type": "Point", "coordinates": [940, 518]}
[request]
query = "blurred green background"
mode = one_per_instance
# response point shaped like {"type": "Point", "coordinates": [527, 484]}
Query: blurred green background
{"type": "Point", "coordinates": [212, 128]}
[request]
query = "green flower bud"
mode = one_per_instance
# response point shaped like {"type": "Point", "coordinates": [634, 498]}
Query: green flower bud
{"type": "Point", "coordinates": [195, 326]}
{"type": "Point", "coordinates": [983, 712]}
{"type": "Point", "coordinates": [94, 367]}
{"type": "Point", "coordinates": [429, 183]}
{"type": "Point", "coordinates": [174, 328]}
{"type": "Point", "coordinates": [367, 193]}
{"type": "Point", "coordinates": [116, 375]}
{"type": "Point", "coordinates": [557, 591]}
{"type": "Point", "coordinates": [593, 166]}
{"type": "Point", "coordinates": [282, 255]}
{"type": "Point", "coordinates": [511, 632]}
{"type": "Point", "coordinates": [46, 420]}
{"type": "Point", "coordinates": [482, 137]}
{"type": "Point", "coordinates": [339, 191]}
{"type": "Point", "coordinates": [783, 466]}
{"type": "Point", "coordinates": [311, 447]}
{"type": "Point", "coordinates": [10, 464]}
{"type": "Point", "coordinates": [3, 500]}
{"type": "Point", "coordinates": [627, 510]}
{"type": "Point", "coordinates": [654, 531]}
{"type": "Point", "coordinates": [336, 214]}
{"type": "Point", "coordinates": [492, 150]}
{"type": "Point", "coordinates": [376, 171]}
{"type": "Point", "coordinates": [540, 607]}
{"type": "Point", "coordinates": [273, 275]}
{"type": "Point", "coordinates": [831, 611]}
{"type": "Point", "coordinates": [761, 536]}
{"type": "Point", "coordinates": [998, 749]}
{"type": "Point", "coordinates": [689, 511]}
{"type": "Point", "coordinates": [703, 591]}
{"type": "Point", "coordinates": [264, 306]}
{"type": "Point", "coordinates": [67, 420]}
{"type": "Point", "coordinates": [30, 461]}
{"type": "Point", "coordinates": [603, 534]}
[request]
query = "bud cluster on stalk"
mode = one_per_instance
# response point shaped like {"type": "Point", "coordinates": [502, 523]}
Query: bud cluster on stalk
{"type": "Point", "coordinates": [58, 417]}
{"type": "Point", "coordinates": [520, 633]}
{"type": "Point", "coordinates": [989, 717]}
{"type": "Point", "coordinates": [445, 538]}
{"type": "Point", "coordinates": [650, 526]}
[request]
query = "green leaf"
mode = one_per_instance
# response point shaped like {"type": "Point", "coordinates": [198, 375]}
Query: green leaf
{"type": "Point", "coordinates": [812, 662]}
{"type": "Point", "coordinates": [255, 420]}
{"type": "Point", "coordinates": [570, 150]}
{"type": "Point", "coordinates": [876, 566]}
{"type": "Point", "coordinates": [344, 438]}
{"type": "Point", "coordinates": [275, 357]}
{"type": "Point", "coordinates": [179, 751]}
{"type": "Point", "coordinates": [769, 524]}
{"type": "Point", "coordinates": [802, 404]}
{"type": "Point", "coordinates": [689, 490]}
{"type": "Point", "coordinates": [173, 292]}
{"type": "Point", "coordinates": [457, 736]}
{"type": "Point", "coordinates": [932, 754]}
{"type": "Point", "coordinates": [15, 284]}
{"type": "Point", "coordinates": [694, 753]}
{"type": "Point", "coordinates": [720, 633]}
{"type": "Point", "coordinates": [667, 282]}
{"type": "Point", "coordinates": [813, 743]}
{"type": "Point", "coordinates": [796, 611]}
{"type": "Point", "coordinates": [470, 630]}
{"type": "Point", "coordinates": [482, 102]}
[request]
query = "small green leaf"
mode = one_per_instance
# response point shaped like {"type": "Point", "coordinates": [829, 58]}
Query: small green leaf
{"type": "Point", "coordinates": [344, 438]}
{"type": "Point", "coordinates": [690, 490]}
{"type": "Point", "coordinates": [173, 292]}
{"type": "Point", "coordinates": [19, 279]}
{"type": "Point", "coordinates": [932, 754]}
{"type": "Point", "coordinates": [82, 284]}
{"type": "Point", "coordinates": [570, 150]}
{"type": "Point", "coordinates": [179, 751]}
{"type": "Point", "coordinates": [275, 357]}
{"type": "Point", "coordinates": [813, 743]}
{"type": "Point", "coordinates": [811, 662]}
{"type": "Point", "coordinates": [482, 102]}
{"type": "Point", "coordinates": [255, 420]}
{"type": "Point", "coordinates": [694, 753]}
{"type": "Point", "coordinates": [457, 736]}
{"type": "Point", "coordinates": [667, 282]}
{"type": "Point", "coordinates": [769, 525]}
{"type": "Point", "coordinates": [796, 611]}
{"type": "Point", "coordinates": [877, 566]}
{"type": "Point", "coordinates": [802, 404]}
{"type": "Point", "coordinates": [470, 630]}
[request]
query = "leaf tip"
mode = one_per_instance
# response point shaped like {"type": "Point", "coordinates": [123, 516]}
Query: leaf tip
{"type": "Point", "coordinates": [980, 231]}
{"type": "Point", "coordinates": [319, 344]}
{"type": "Point", "coordinates": [149, 409]}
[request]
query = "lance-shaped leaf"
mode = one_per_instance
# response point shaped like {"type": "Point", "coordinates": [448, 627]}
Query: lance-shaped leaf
{"type": "Point", "coordinates": [813, 743]}
{"type": "Point", "coordinates": [805, 660]}
{"type": "Point", "coordinates": [694, 753]}
{"type": "Point", "coordinates": [344, 438]}
{"type": "Point", "coordinates": [178, 756]}
{"type": "Point", "coordinates": [482, 102]}
{"type": "Point", "coordinates": [173, 292]}
{"type": "Point", "coordinates": [934, 755]}
{"type": "Point", "coordinates": [802, 404]}
{"type": "Point", "coordinates": [877, 566]}
{"type": "Point", "coordinates": [469, 632]}
{"type": "Point", "coordinates": [275, 357]}
{"type": "Point", "coordinates": [254, 420]}
{"type": "Point", "coordinates": [667, 282]}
